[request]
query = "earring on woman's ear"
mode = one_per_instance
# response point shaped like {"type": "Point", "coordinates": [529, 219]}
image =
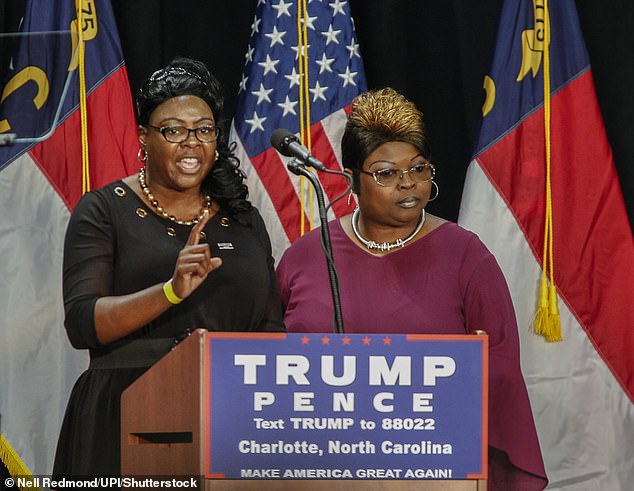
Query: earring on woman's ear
{"type": "Point", "coordinates": [351, 198]}
{"type": "Point", "coordinates": [437, 191]}
{"type": "Point", "coordinates": [217, 155]}
{"type": "Point", "coordinates": [142, 155]}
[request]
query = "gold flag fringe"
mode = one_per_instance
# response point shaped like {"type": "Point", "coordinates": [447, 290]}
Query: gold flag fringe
{"type": "Point", "coordinates": [12, 461]}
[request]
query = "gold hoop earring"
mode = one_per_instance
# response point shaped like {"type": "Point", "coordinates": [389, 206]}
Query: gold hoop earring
{"type": "Point", "coordinates": [142, 155]}
{"type": "Point", "coordinates": [437, 191]}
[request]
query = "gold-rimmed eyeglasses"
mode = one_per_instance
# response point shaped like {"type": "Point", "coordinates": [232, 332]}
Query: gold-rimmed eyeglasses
{"type": "Point", "coordinates": [423, 172]}
{"type": "Point", "coordinates": [178, 134]}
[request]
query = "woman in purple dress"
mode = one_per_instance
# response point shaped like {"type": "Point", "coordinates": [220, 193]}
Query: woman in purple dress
{"type": "Point", "coordinates": [402, 270]}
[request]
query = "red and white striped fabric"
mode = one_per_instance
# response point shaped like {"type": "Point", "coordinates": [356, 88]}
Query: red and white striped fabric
{"type": "Point", "coordinates": [276, 192]}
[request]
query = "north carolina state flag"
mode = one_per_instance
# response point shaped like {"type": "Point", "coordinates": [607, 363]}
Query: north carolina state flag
{"type": "Point", "coordinates": [40, 182]}
{"type": "Point", "coordinates": [582, 388]}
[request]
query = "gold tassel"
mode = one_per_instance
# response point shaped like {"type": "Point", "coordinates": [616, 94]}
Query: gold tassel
{"type": "Point", "coordinates": [541, 315]}
{"type": "Point", "coordinates": [12, 461]}
{"type": "Point", "coordinates": [552, 331]}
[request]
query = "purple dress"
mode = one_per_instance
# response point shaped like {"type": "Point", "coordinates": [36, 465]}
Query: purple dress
{"type": "Point", "coordinates": [445, 282]}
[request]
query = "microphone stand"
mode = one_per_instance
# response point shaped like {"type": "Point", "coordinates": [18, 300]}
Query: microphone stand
{"type": "Point", "coordinates": [298, 168]}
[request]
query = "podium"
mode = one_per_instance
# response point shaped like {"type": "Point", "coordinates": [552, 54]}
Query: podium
{"type": "Point", "coordinates": [165, 423]}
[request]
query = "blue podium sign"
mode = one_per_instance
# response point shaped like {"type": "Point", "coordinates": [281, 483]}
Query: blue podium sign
{"type": "Point", "coordinates": [355, 406]}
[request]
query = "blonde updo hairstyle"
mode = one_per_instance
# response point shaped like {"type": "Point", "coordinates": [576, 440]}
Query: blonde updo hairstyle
{"type": "Point", "coordinates": [378, 117]}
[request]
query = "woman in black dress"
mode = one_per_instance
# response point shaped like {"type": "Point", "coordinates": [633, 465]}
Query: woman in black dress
{"type": "Point", "coordinates": [152, 257]}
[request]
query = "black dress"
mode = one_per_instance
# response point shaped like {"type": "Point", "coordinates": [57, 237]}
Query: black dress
{"type": "Point", "coordinates": [116, 245]}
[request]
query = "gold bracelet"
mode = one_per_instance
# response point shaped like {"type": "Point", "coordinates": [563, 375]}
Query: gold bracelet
{"type": "Point", "coordinates": [168, 289]}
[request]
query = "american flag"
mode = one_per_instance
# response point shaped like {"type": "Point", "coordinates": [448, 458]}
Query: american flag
{"type": "Point", "coordinates": [302, 64]}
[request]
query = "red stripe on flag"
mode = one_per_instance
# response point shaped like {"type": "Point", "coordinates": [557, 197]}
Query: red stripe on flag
{"type": "Point", "coordinates": [593, 247]}
{"type": "Point", "coordinates": [333, 185]}
{"type": "Point", "coordinates": [112, 142]}
{"type": "Point", "coordinates": [279, 187]}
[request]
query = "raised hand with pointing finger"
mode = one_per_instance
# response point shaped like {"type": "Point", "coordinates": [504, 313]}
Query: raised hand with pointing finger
{"type": "Point", "coordinates": [194, 263]}
{"type": "Point", "coordinates": [138, 274]}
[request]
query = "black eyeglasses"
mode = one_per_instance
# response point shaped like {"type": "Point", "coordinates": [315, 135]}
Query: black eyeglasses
{"type": "Point", "coordinates": [178, 134]}
{"type": "Point", "coordinates": [423, 172]}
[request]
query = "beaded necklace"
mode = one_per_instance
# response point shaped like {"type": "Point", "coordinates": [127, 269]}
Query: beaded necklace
{"type": "Point", "coordinates": [150, 197]}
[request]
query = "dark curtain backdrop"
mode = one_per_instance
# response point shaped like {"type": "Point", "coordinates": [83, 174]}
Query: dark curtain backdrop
{"type": "Point", "coordinates": [435, 51]}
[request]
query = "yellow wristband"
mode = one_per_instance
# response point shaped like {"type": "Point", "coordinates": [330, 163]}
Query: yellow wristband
{"type": "Point", "coordinates": [168, 289]}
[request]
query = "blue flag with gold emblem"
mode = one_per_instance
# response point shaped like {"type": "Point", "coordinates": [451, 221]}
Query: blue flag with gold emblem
{"type": "Point", "coordinates": [41, 176]}
{"type": "Point", "coordinates": [543, 194]}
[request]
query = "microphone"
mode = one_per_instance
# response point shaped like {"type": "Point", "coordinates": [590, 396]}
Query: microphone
{"type": "Point", "coordinates": [289, 145]}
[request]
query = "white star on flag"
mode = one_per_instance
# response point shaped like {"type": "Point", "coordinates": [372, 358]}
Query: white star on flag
{"type": "Point", "coordinates": [318, 92]}
{"type": "Point", "coordinates": [243, 83]}
{"type": "Point", "coordinates": [255, 26]}
{"type": "Point", "coordinates": [324, 63]}
{"type": "Point", "coordinates": [288, 106]}
{"type": "Point", "coordinates": [309, 22]}
{"type": "Point", "coordinates": [353, 48]}
{"type": "Point", "coordinates": [348, 77]}
{"type": "Point", "coordinates": [249, 54]}
{"type": "Point", "coordinates": [293, 78]}
{"type": "Point", "coordinates": [276, 91]}
{"type": "Point", "coordinates": [276, 36]}
{"type": "Point", "coordinates": [282, 8]}
{"type": "Point", "coordinates": [331, 35]}
{"type": "Point", "coordinates": [269, 65]}
{"type": "Point", "coordinates": [263, 94]}
{"type": "Point", "coordinates": [256, 122]}
{"type": "Point", "coordinates": [337, 7]}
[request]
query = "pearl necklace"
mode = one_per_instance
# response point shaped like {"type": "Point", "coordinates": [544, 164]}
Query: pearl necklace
{"type": "Point", "coordinates": [385, 246]}
{"type": "Point", "coordinates": [150, 197]}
